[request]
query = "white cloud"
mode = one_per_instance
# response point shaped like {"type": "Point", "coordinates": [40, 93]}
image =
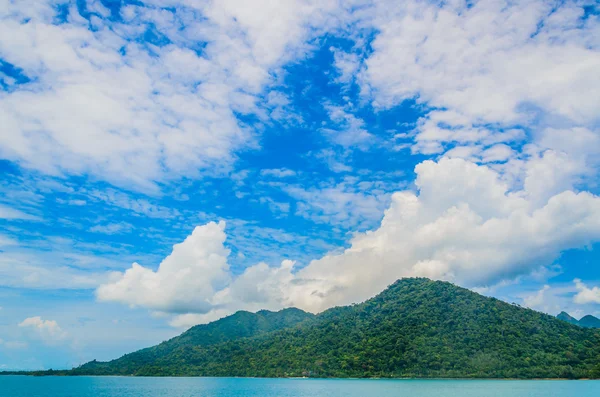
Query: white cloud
{"type": "Point", "coordinates": [190, 319]}
{"type": "Point", "coordinates": [112, 228]}
{"type": "Point", "coordinates": [281, 109]}
{"type": "Point", "coordinates": [47, 330]}
{"type": "Point", "coordinates": [586, 294]}
{"type": "Point", "coordinates": [12, 213]}
{"type": "Point", "coordinates": [499, 152]}
{"type": "Point", "coordinates": [335, 161]}
{"type": "Point", "coordinates": [278, 172]}
{"type": "Point", "coordinates": [464, 225]}
{"type": "Point", "coordinates": [7, 241]}
{"type": "Point", "coordinates": [260, 286]}
{"type": "Point", "coordinates": [536, 299]}
{"type": "Point", "coordinates": [350, 131]}
{"type": "Point", "coordinates": [347, 65]}
{"type": "Point", "coordinates": [185, 281]}
{"type": "Point", "coordinates": [73, 202]}
{"type": "Point", "coordinates": [276, 207]}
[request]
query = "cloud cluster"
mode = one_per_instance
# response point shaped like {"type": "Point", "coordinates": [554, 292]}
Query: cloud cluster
{"type": "Point", "coordinates": [464, 224]}
{"type": "Point", "coordinates": [185, 281]}
{"type": "Point", "coordinates": [48, 330]}
{"type": "Point", "coordinates": [485, 66]}
{"type": "Point", "coordinates": [575, 298]}
{"type": "Point", "coordinates": [149, 96]}
{"type": "Point", "coordinates": [513, 84]}
{"type": "Point", "coordinates": [537, 299]}
{"type": "Point", "coordinates": [585, 294]}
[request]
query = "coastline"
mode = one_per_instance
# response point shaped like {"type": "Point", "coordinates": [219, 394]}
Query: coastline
{"type": "Point", "coordinates": [36, 374]}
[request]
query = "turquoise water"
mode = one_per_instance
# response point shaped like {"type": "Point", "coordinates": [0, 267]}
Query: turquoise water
{"type": "Point", "coordinates": [24, 386]}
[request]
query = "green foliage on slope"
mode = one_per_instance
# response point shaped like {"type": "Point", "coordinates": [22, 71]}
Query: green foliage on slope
{"type": "Point", "coordinates": [239, 325]}
{"type": "Point", "coordinates": [415, 328]}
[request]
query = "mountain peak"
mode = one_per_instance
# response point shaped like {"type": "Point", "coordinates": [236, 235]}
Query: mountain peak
{"type": "Point", "coordinates": [587, 321]}
{"type": "Point", "coordinates": [567, 317]}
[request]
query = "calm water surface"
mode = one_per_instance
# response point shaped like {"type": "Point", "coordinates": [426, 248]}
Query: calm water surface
{"type": "Point", "coordinates": [23, 386]}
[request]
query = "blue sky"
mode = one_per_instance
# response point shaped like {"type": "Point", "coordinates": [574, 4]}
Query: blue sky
{"type": "Point", "coordinates": [166, 163]}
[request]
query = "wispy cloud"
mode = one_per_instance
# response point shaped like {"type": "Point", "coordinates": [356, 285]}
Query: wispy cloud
{"type": "Point", "coordinates": [112, 228]}
{"type": "Point", "coordinates": [135, 204]}
{"type": "Point", "coordinates": [278, 172]}
{"type": "Point", "coordinates": [12, 213]}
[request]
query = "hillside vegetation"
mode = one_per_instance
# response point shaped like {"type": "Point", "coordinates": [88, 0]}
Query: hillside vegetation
{"type": "Point", "coordinates": [237, 326]}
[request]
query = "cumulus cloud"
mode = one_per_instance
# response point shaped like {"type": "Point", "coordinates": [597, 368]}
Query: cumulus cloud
{"type": "Point", "coordinates": [185, 281]}
{"type": "Point", "coordinates": [463, 224]}
{"type": "Point", "coordinates": [48, 330]}
{"type": "Point", "coordinates": [586, 294]}
{"type": "Point", "coordinates": [537, 299]}
{"type": "Point", "coordinates": [552, 299]}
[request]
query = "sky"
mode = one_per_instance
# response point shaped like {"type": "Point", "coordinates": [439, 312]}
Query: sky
{"type": "Point", "coordinates": [166, 163]}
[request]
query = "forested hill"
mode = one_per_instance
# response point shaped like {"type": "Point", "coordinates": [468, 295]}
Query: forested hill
{"type": "Point", "coordinates": [567, 317]}
{"type": "Point", "coordinates": [588, 321]}
{"type": "Point", "coordinates": [415, 328]}
{"type": "Point", "coordinates": [239, 325]}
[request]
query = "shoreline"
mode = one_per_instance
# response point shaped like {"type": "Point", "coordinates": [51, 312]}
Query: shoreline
{"type": "Point", "coordinates": [31, 374]}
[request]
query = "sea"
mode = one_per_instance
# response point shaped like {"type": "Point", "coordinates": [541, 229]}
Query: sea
{"type": "Point", "coordinates": [26, 386]}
